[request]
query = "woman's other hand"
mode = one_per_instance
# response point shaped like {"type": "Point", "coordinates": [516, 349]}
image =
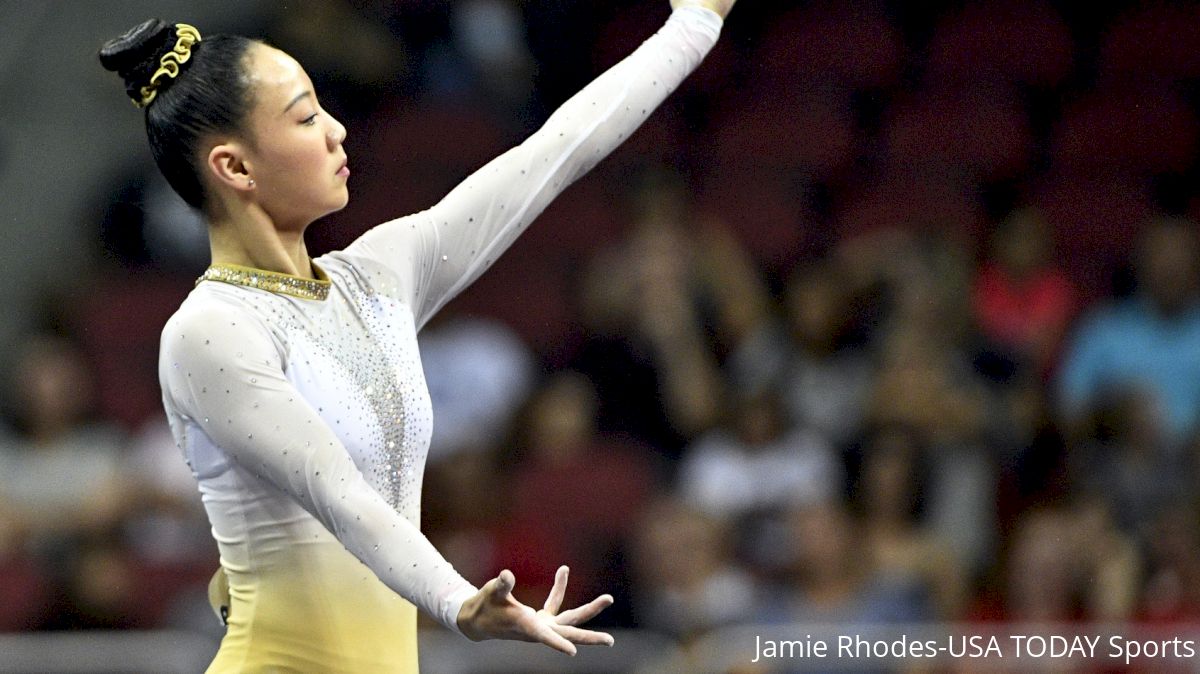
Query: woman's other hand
{"type": "Point", "coordinates": [493, 613]}
{"type": "Point", "coordinates": [721, 7]}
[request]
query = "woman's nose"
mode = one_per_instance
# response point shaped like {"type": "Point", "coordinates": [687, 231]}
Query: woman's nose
{"type": "Point", "coordinates": [337, 133]}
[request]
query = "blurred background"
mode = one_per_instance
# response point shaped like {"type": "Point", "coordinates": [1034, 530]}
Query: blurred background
{"type": "Point", "coordinates": [890, 316]}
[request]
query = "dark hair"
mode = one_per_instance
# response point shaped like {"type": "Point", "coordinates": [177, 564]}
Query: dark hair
{"type": "Point", "coordinates": [210, 95]}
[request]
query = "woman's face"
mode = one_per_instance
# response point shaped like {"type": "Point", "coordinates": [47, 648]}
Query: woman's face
{"type": "Point", "coordinates": [296, 158]}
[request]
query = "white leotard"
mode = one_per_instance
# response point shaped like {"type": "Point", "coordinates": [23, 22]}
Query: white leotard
{"type": "Point", "coordinates": [307, 421]}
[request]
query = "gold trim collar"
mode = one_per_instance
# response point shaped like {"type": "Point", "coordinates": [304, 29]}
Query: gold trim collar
{"type": "Point", "coordinates": [271, 281]}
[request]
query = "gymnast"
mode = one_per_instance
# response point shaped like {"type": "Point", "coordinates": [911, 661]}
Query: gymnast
{"type": "Point", "coordinates": [293, 385]}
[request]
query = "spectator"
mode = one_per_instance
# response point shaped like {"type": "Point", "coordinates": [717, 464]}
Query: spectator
{"type": "Point", "coordinates": [890, 497]}
{"type": "Point", "coordinates": [62, 495]}
{"type": "Point", "coordinates": [685, 595]}
{"type": "Point", "coordinates": [1066, 564]}
{"type": "Point", "coordinates": [94, 584]}
{"type": "Point", "coordinates": [1124, 461]}
{"type": "Point", "coordinates": [833, 579]}
{"type": "Point", "coordinates": [974, 416]}
{"type": "Point", "coordinates": [755, 464]}
{"type": "Point", "coordinates": [827, 377]}
{"type": "Point", "coordinates": [1172, 587]}
{"type": "Point", "coordinates": [1148, 343]}
{"type": "Point", "coordinates": [1022, 301]}
{"type": "Point", "coordinates": [649, 349]}
{"type": "Point", "coordinates": [60, 473]}
{"type": "Point", "coordinates": [924, 385]}
{"type": "Point", "coordinates": [745, 333]}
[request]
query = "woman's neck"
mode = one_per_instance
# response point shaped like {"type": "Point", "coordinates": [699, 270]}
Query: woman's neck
{"type": "Point", "coordinates": [252, 240]}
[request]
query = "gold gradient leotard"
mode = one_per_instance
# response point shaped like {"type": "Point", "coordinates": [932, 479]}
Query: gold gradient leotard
{"type": "Point", "coordinates": [302, 409]}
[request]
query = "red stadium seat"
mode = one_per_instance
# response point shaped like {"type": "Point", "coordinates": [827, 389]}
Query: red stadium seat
{"type": "Point", "coordinates": [580, 221]}
{"type": "Point", "coordinates": [1138, 129]}
{"type": "Point", "coordinates": [764, 208]}
{"type": "Point", "coordinates": [24, 594]}
{"type": "Point", "coordinates": [453, 136]}
{"type": "Point", "coordinates": [851, 45]}
{"type": "Point", "coordinates": [915, 198]}
{"type": "Point", "coordinates": [162, 584]}
{"type": "Point", "coordinates": [529, 291]}
{"type": "Point", "coordinates": [119, 323]}
{"type": "Point", "coordinates": [1014, 40]}
{"type": "Point", "coordinates": [1096, 217]}
{"type": "Point", "coordinates": [1159, 41]}
{"type": "Point", "coordinates": [773, 129]}
{"type": "Point", "coordinates": [982, 132]}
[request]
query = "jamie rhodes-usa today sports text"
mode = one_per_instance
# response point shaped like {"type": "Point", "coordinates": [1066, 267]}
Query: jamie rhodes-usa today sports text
{"type": "Point", "coordinates": [1009, 646]}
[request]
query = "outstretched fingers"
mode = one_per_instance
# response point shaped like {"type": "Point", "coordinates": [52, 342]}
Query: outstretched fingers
{"type": "Point", "coordinates": [584, 637]}
{"type": "Point", "coordinates": [586, 612]}
{"type": "Point", "coordinates": [547, 626]}
{"type": "Point", "coordinates": [548, 635]}
{"type": "Point", "coordinates": [554, 600]}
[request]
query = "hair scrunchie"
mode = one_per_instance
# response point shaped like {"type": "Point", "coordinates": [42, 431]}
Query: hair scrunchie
{"type": "Point", "coordinates": [186, 36]}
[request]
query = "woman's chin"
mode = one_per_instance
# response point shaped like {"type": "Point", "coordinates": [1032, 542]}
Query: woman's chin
{"type": "Point", "coordinates": [333, 205]}
{"type": "Point", "coordinates": [337, 204]}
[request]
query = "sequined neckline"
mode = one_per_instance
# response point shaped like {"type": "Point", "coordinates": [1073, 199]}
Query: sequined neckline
{"type": "Point", "coordinates": [271, 281]}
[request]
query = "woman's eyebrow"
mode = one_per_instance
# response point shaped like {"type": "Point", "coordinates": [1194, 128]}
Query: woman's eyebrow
{"type": "Point", "coordinates": [296, 100]}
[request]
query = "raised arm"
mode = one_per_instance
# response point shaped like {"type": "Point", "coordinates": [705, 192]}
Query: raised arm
{"type": "Point", "coordinates": [222, 365]}
{"type": "Point", "coordinates": [433, 255]}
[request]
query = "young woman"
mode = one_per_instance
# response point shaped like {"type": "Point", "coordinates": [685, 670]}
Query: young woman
{"type": "Point", "coordinates": [293, 385]}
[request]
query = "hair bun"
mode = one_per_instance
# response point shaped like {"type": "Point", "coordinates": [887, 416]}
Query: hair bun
{"type": "Point", "coordinates": [135, 54]}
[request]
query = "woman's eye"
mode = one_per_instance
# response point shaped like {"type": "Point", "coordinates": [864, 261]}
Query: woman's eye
{"type": "Point", "coordinates": [310, 120]}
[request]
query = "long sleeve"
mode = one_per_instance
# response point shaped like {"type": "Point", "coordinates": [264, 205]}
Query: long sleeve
{"type": "Point", "coordinates": [223, 370]}
{"type": "Point", "coordinates": [429, 257]}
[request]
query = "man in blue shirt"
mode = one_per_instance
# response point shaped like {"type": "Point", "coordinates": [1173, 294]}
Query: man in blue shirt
{"type": "Point", "coordinates": [1146, 345]}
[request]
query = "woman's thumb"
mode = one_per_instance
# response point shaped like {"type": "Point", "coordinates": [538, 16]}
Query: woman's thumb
{"type": "Point", "coordinates": [503, 584]}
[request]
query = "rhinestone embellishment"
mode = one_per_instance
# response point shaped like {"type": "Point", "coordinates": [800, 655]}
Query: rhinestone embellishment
{"type": "Point", "coordinates": [271, 281]}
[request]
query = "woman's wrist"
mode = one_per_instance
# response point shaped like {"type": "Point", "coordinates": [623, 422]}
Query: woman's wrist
{"type": "Point", "coordinates": [466, 619]}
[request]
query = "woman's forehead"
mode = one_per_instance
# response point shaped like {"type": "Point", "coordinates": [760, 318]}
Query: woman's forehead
{"type": "Point", "coordinates": [275, 77]}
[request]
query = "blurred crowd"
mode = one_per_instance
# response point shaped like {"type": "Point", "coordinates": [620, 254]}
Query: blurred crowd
{"type": "Point", "coordinates": [892, 314]}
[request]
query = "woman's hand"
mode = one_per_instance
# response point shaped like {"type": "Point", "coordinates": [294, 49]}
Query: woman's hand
{"type": "Point", "coordinates": [494, 613]}
{"type": "Point", "coordinates": [721, 7]}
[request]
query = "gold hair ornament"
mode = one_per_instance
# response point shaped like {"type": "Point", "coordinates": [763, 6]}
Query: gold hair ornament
{"type": "Point", "coordinates": [169, 64]}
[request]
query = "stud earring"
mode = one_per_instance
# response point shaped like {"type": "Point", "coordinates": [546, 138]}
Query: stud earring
{"type": "Point", "coordinates": [251, 182]}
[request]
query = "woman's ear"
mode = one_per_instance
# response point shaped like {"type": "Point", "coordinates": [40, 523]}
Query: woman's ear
{"type": "Point", "coordinates": [227, 166]}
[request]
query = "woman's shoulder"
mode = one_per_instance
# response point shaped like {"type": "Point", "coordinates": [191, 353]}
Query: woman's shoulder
{"type": "Point", "coordinates": [358, 270]}
{"type": "Point", "coordinates": [212, 308]}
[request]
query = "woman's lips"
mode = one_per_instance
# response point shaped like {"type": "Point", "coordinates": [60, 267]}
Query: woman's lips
{"type": "Point", "coordinates": [344, 171]}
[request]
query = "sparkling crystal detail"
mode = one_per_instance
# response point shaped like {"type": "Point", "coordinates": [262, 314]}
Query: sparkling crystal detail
{"type": "Point", "coordinates": [284, 284]}
{"type": "Point", "coordinates": [379, 359]}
